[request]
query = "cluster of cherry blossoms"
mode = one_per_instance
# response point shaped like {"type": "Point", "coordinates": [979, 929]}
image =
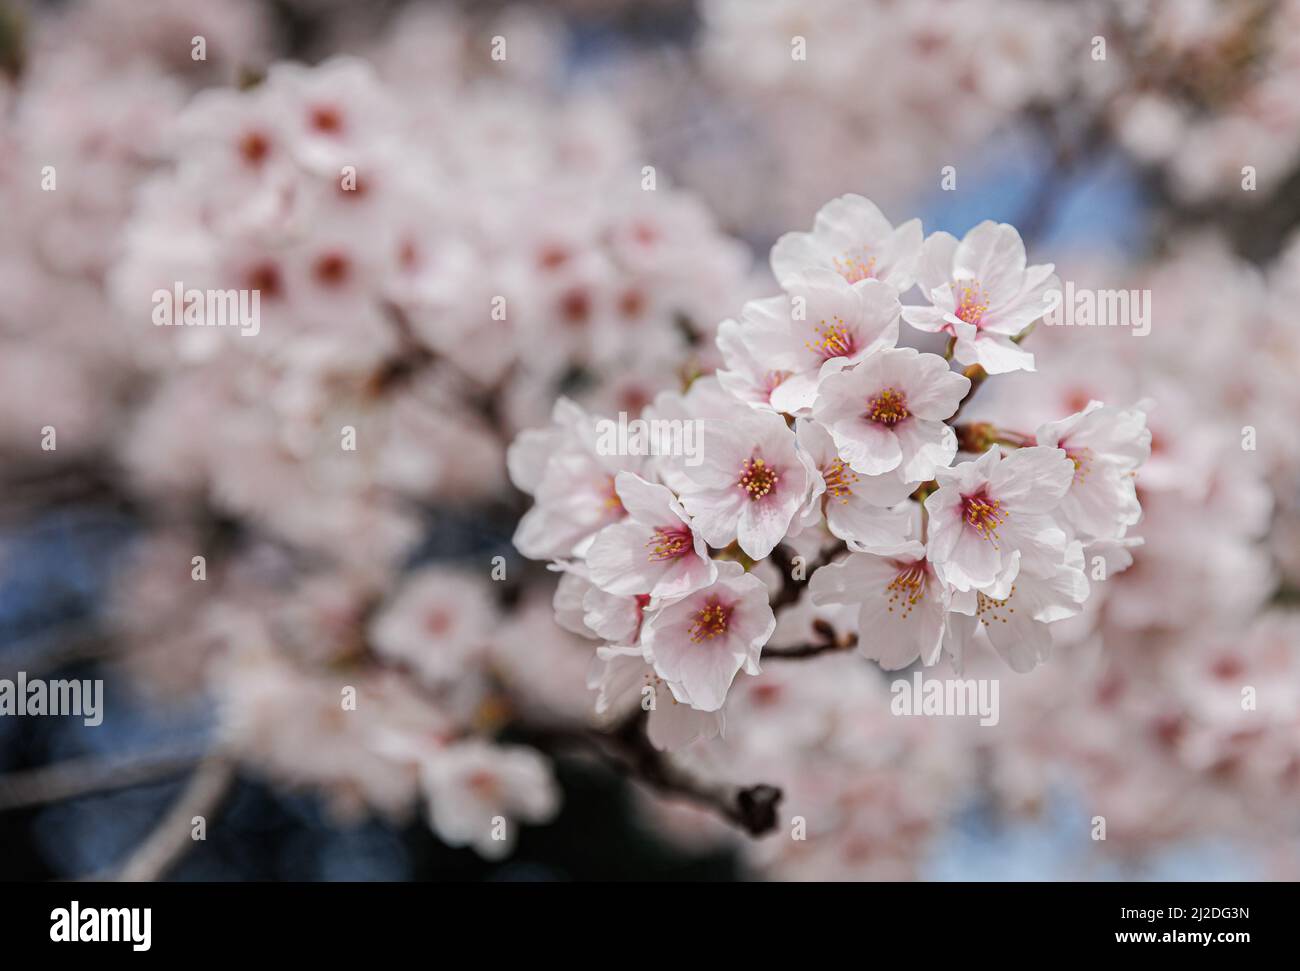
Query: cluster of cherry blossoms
{"type": "Point", "coordinates": [823, 439]}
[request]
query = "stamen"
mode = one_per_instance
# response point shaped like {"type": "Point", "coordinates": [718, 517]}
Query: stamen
{"type": "Point", "coordinates": [985, 514]}
{"type": "Point", "coordinates": [839, 480]}
{"type": "Point", "coordinates": [989, 610]}
{"type": "Point", "coordinates": [972, 303]}
{"type": "Point", "coordinates": [833, 339]}
{"type": "Point", "coordinates": [669, 543]}
{"type": "Point", "coordinates": [907, 589]}
{"type": "Point", "coordinates": [887, 408]}
{"type": "Point", "coordinates": [757, 478]}
{"type": "Point", "coordinates": [710, 621]}
{"type": "Point", "coordinates": [855, 267]}
{"type": "Point", "coordinates": [1082, 459]}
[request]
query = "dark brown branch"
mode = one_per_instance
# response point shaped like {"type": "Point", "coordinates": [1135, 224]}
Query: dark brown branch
{"type": "Point", "coordinates": [812, 649]}
{"type": "Point", "coordinates": [627, 748]}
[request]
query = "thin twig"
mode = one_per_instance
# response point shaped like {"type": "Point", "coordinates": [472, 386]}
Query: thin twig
{"type": "Point", "coordinates": [848, 642]}
{"type": "Point", "coordinates": [169, 842]}
{"type": "Point", "coordinates": [90, 775]}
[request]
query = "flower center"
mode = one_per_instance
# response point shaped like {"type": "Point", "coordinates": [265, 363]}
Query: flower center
{"type": "Point", "coordinates": [669, 543]}
{"type": "Point", "coordinates": [839, 480]}
{"type": "Point", "coordinates": [710, 621]}
{"type": "Point", "coordinates": [773, 380]}
{"type": "Point", "coordinates": [989, 610]}
{"type": "Point", "coordinates": [887, 408]}
{"type": "Point", "coordinates": [984, 514]}
{"type": "Point", "coordinates": [757, 478]}
{"type": "Point", "coordinates": [855, 266]}
{"type": "Point", "coordinates": [833, 339]}
{"type": "Point", "coordinates": [972, 303]}
{"type": "Point", "coordinates": [907, 589]}
{"type": "Point", "coordinates": [1082, 459]}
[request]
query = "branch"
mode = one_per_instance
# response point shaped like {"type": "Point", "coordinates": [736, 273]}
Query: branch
{"type": "Point", "coordinates": [93, 774]}
{"type": "Point", "coordinates": [169, 842]}
{"type": "Point", "coordinates": [831, 646]}
{"type": "Point", "coordinates": [627, 748]}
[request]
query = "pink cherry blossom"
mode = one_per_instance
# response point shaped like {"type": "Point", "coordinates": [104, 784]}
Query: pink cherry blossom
{"type": "Point", "coordinates": [902, 603]}
{"type": "Point", "coordinates": [822, 324]}
{"type": "Point", "coordinates": [993, 515]}
{"type": "Point", "coordinates": [1017, 624]}
{"type": "Point", "coordinates": [862, 510]}
{"type": "Point", "coordinates": [699, 643]}
{"type": "Point", "coordinates": [654, 551]}
{"type": "Point", "coordinates": [852, 237]}
{"type": "Point", "coordinates": [982, 293]}
{"type": "Point", "coordinates": [625, 681]}
{"type": "Point", "coordinates": [751, 484]}
{"type": "Point", "coordinates": [886, 415]}
{"type": "Point", "coordinates": [1106, 445]}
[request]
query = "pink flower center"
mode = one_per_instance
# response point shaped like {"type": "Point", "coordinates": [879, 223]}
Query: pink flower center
{"type": "Point", "coordinates": [887, 408]}
{"type": "Point", "coordinates": [1082, 459]}
{"type": "Point", "coordinates": [772, 380]}
{"type": "Point", "coordinates": [711, 621]}
{"type": "Point", "coordinates": [254, 147]}
{"type": "Point", "coordinates": [833, 339]}
{"type": "Point", "coordinates": [984, 514]}
{"type": "Point", "coordinates": [907, 589]}
{"type": "Point", "coordinates": [855, 266]}
{"type": "Point", "coordinates": [326, 119]}
{"type": "Point", "coordinates": [839, 480]}
{"type": "Point", "coordinates": [972, 303]}
{"type": "Point", "coordinates": [483, 784]}
{"type": "Point", "coordinates": [757, 478]}
{"type": "Point", "coordinates": [670, 542]}
{"type": "Point", "coordinates": [438, 622]}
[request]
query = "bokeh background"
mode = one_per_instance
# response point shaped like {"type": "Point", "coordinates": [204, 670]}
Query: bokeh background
{"type": "Point", "coordinates": [1151, 145]}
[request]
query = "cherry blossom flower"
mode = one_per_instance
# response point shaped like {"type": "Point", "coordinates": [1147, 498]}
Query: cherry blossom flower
{"type": "Point", "coordinates": [572, 485]}
{"type": "Point", "coordinates": [902, 603]}
{"type": "Point", "coordinates": [1106, 445]}
{"type": "Point", "coordinates": [852, 237]}
{"type": "Point", "coordinates": [1017, 625]}
{"type": "Point", "coordinates": [470, 784]}
{"type": "Point", "coordinates": [747, 376]}
{"type": "Point", "coordinates": [586, 609]}
{"type": "Point", "coordinates": [654, 551]}
{"type": "Point", "coordinates": [982, 293]}
{"type": "Point", "coordinates": [751, 484]}
{"type": "Point", "coordinates": [438, 622]}
{"type": "Point", "coordinates": [886, 415]}
{"type": "Point", "coordinates": [699, 643]}
{"type": "Point", "coordinates": [990, 517]}
{"type": "Point", "coordinates": [821, 325]}
{"type": "Point", "coordinates": [863, 510]}
{"type": "Point", "coordinates": [624, 681]}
